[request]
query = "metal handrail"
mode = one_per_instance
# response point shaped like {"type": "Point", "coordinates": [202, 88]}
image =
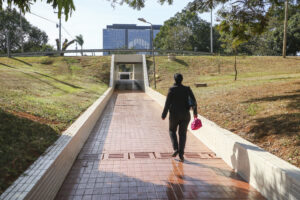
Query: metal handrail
{"type": "Point", "coordinates": [53, 53]}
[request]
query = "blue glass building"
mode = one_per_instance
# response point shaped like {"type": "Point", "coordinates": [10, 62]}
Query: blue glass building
{"type": "Point", "coordinates": [128, 36]}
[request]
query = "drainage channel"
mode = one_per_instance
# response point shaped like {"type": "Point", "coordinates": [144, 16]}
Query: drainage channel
{"type": "Point", "coordinates": [146, 155]}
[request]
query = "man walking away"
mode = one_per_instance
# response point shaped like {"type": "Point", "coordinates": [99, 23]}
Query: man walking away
{"type": "Point", "coordinates": [178, 103]}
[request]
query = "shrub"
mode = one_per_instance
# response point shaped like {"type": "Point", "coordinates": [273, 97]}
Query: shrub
{"type": "Point", "coordinates": [47, 61]}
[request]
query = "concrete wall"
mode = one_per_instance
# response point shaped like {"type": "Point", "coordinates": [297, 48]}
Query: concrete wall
{"type": "Point", "coordinates": [273, 177]}
{"type": "Point", "coordinates": [145, 70]}
{"type": "Point", "coordinates": [114, 70]}
{"type": "Point", "coordinates": [139, 75]}
{"type": "Point", "coordinates": [128, 58]}
{"type": "Point", "coordinates": [45, 176]}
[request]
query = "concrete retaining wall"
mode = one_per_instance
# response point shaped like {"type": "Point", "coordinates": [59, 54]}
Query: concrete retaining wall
{"type": "Point", "coordinates": [139, 75]}
{"type": "Point", "coordinates": [45, 176]}
{"type": "Point", "coordinates": [113, 72]}
{"type": "Point", "coordinates": [128, 58]}
{"type": "Point", "coordinates": [273, 177]}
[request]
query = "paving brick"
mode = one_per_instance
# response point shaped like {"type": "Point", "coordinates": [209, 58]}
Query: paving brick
{"type": "Point", "coordinates": [131, 126]}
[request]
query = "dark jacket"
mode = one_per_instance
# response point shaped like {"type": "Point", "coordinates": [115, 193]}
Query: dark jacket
{"type": "Point", "coordinates": [177, 101]}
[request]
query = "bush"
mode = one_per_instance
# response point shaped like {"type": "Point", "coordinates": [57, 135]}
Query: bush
{"type": "Point", "coordinates": [47, 61]}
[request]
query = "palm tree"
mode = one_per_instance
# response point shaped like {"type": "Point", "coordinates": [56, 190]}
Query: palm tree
{"type": "Point", "coordinates": [79, 40]}
{"type": "Point", "coordinates": [65, 45]}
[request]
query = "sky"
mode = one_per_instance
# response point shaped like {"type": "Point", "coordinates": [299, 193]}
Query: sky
{"type": "Point", "coordinates": [91, 16]}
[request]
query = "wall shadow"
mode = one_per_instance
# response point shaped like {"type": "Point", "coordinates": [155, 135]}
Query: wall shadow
{"type": "Point", "coordinates": [57, 80]}
{"type": "Point", "coordinates": [62, 82]}
{"type": "Point", "coordinates": [182, 62]}
{"type": "Point", "coordinates": [287, 123]}
{"type": "Point", "coordinates": [43, 81]}
{"type": "Point", "coordinates": [22, 141]}
{"type": "Point", "coordinates": [7, 65]}
{"type": "Point", "coordinates": [22, 61]}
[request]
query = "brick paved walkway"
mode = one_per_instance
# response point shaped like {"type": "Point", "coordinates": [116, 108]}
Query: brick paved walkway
{"type": "Point", "coordinates": [127, 156]}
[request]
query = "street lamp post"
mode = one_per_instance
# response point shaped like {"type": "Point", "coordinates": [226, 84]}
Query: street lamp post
{"type": "Point", "coordinates": [211, 30]}
{"type": "Point", "coordinates": [59, 26]}
{"type": "Point", "coordinates": [152, 38]}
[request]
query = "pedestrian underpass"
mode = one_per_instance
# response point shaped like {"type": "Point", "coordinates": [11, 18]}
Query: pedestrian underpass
{"type": "Point", "coordinates": [128, 153]}
{"type": "Point", "coordinates": [124, 152]}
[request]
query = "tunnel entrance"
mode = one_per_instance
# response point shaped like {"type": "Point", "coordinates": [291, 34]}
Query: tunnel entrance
{"type": "Point", "coordinates": [126, 77]}
{"type": "Point", "coordinates": [127, 72]}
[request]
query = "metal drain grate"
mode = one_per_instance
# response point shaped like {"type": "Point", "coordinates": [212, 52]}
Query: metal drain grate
{"type": "Point", "coordinates": [142, 155]}
{"type": "Point", "coordinates": [192, 155]}
{"type": "Point", "coordinates": [166, 155]}
{"type": "Point", "coordinates": [115, 156]}
{"type": "Point", "coordinates": [150, 155]}
{"type": "Point", "coordinates": [163, 155]}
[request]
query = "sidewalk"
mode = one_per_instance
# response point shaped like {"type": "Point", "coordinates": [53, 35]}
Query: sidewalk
{"type": "Point", "coordinates": [127, 156]}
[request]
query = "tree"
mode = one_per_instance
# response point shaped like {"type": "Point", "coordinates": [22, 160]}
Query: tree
{"type": "Point", "coordinates": [136, 4]}
{"type": "Point", "coordinates": [285, 28]}
{"type": "Point", "coordinates": [65, 45]}
{"type": "Point", "coordinates": [63, 6]}
{"type": "Point", "coordinates": [234, 33]}
{"type": "Point", "coordinates": [33, 38]}
{"type": "Point", "coordinates": [80, 41]}
{"type": "Point", "coordinates": [270, 41]}
{"type": "Point", "coordinates": [251, 12]}
{"type": "Point", "coordinates": [193, 32]}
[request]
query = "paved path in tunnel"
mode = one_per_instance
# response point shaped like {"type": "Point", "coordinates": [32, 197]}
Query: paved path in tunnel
{"type": "Point", "coordinates": [127, 156]}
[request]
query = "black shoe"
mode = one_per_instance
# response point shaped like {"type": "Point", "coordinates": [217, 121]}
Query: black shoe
{"type": "Point", "coordinates": [181, 158]}
{"type": "Point", "coordinates": [174, 154]}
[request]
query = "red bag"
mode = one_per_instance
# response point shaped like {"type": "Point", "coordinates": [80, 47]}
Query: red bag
{"type": "Point", "coordinates": [196, 124]}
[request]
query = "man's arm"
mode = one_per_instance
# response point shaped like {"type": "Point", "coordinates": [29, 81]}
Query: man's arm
{"type": "Point", "coordinates": [167, 105]}
{"type": "Point", "coordinates": [194, 99]}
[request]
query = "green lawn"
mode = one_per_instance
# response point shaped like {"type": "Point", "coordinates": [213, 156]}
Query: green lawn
{"type": "Point", "coordinates": [262, 106]}
{"type": "Point", "coordinates": [39, 98]}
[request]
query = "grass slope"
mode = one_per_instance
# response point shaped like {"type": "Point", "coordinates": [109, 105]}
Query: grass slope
{"type": "Point", "coordinates": [39, 98]}
{"type": "Point", "coordinates": [262, 106]}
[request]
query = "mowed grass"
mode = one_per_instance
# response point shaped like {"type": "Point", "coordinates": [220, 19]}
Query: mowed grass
{"type": "Point", "coordinates": [39, 98]}
{"type": "Point", "coordinates": [262, 106]}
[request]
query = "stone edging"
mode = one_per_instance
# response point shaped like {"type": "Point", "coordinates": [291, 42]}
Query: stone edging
{"type": "Point", "coordinates": [273, 177]}
{"type": "Point", "coordinates": [43, 179]}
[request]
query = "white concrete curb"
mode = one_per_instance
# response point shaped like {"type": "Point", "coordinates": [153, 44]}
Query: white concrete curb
{"type": "Point", "coordinates": [273, 177]}
{"type": "Point", "coordinates": [43, 179]}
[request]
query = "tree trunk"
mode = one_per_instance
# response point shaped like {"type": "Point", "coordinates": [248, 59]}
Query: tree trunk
{"type": "Point", "coordinates": [285, 29]}
{"type": "Point", "coordinates": [8, 43]}
{"type": "Point", "coordinates": [81, 51]}
{"type": "Point", "coordinates": [235, 68]}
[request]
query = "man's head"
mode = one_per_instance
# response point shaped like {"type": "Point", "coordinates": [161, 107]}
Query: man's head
{"type": "Point", "coordinates": [178, 78]}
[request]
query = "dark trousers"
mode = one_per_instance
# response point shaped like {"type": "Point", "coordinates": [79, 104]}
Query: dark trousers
{"type": "Point", "coordinates": [182, 122]}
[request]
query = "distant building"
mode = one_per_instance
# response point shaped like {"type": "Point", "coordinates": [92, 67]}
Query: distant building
{"type": "Point", "coordinates": [128, 36]}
